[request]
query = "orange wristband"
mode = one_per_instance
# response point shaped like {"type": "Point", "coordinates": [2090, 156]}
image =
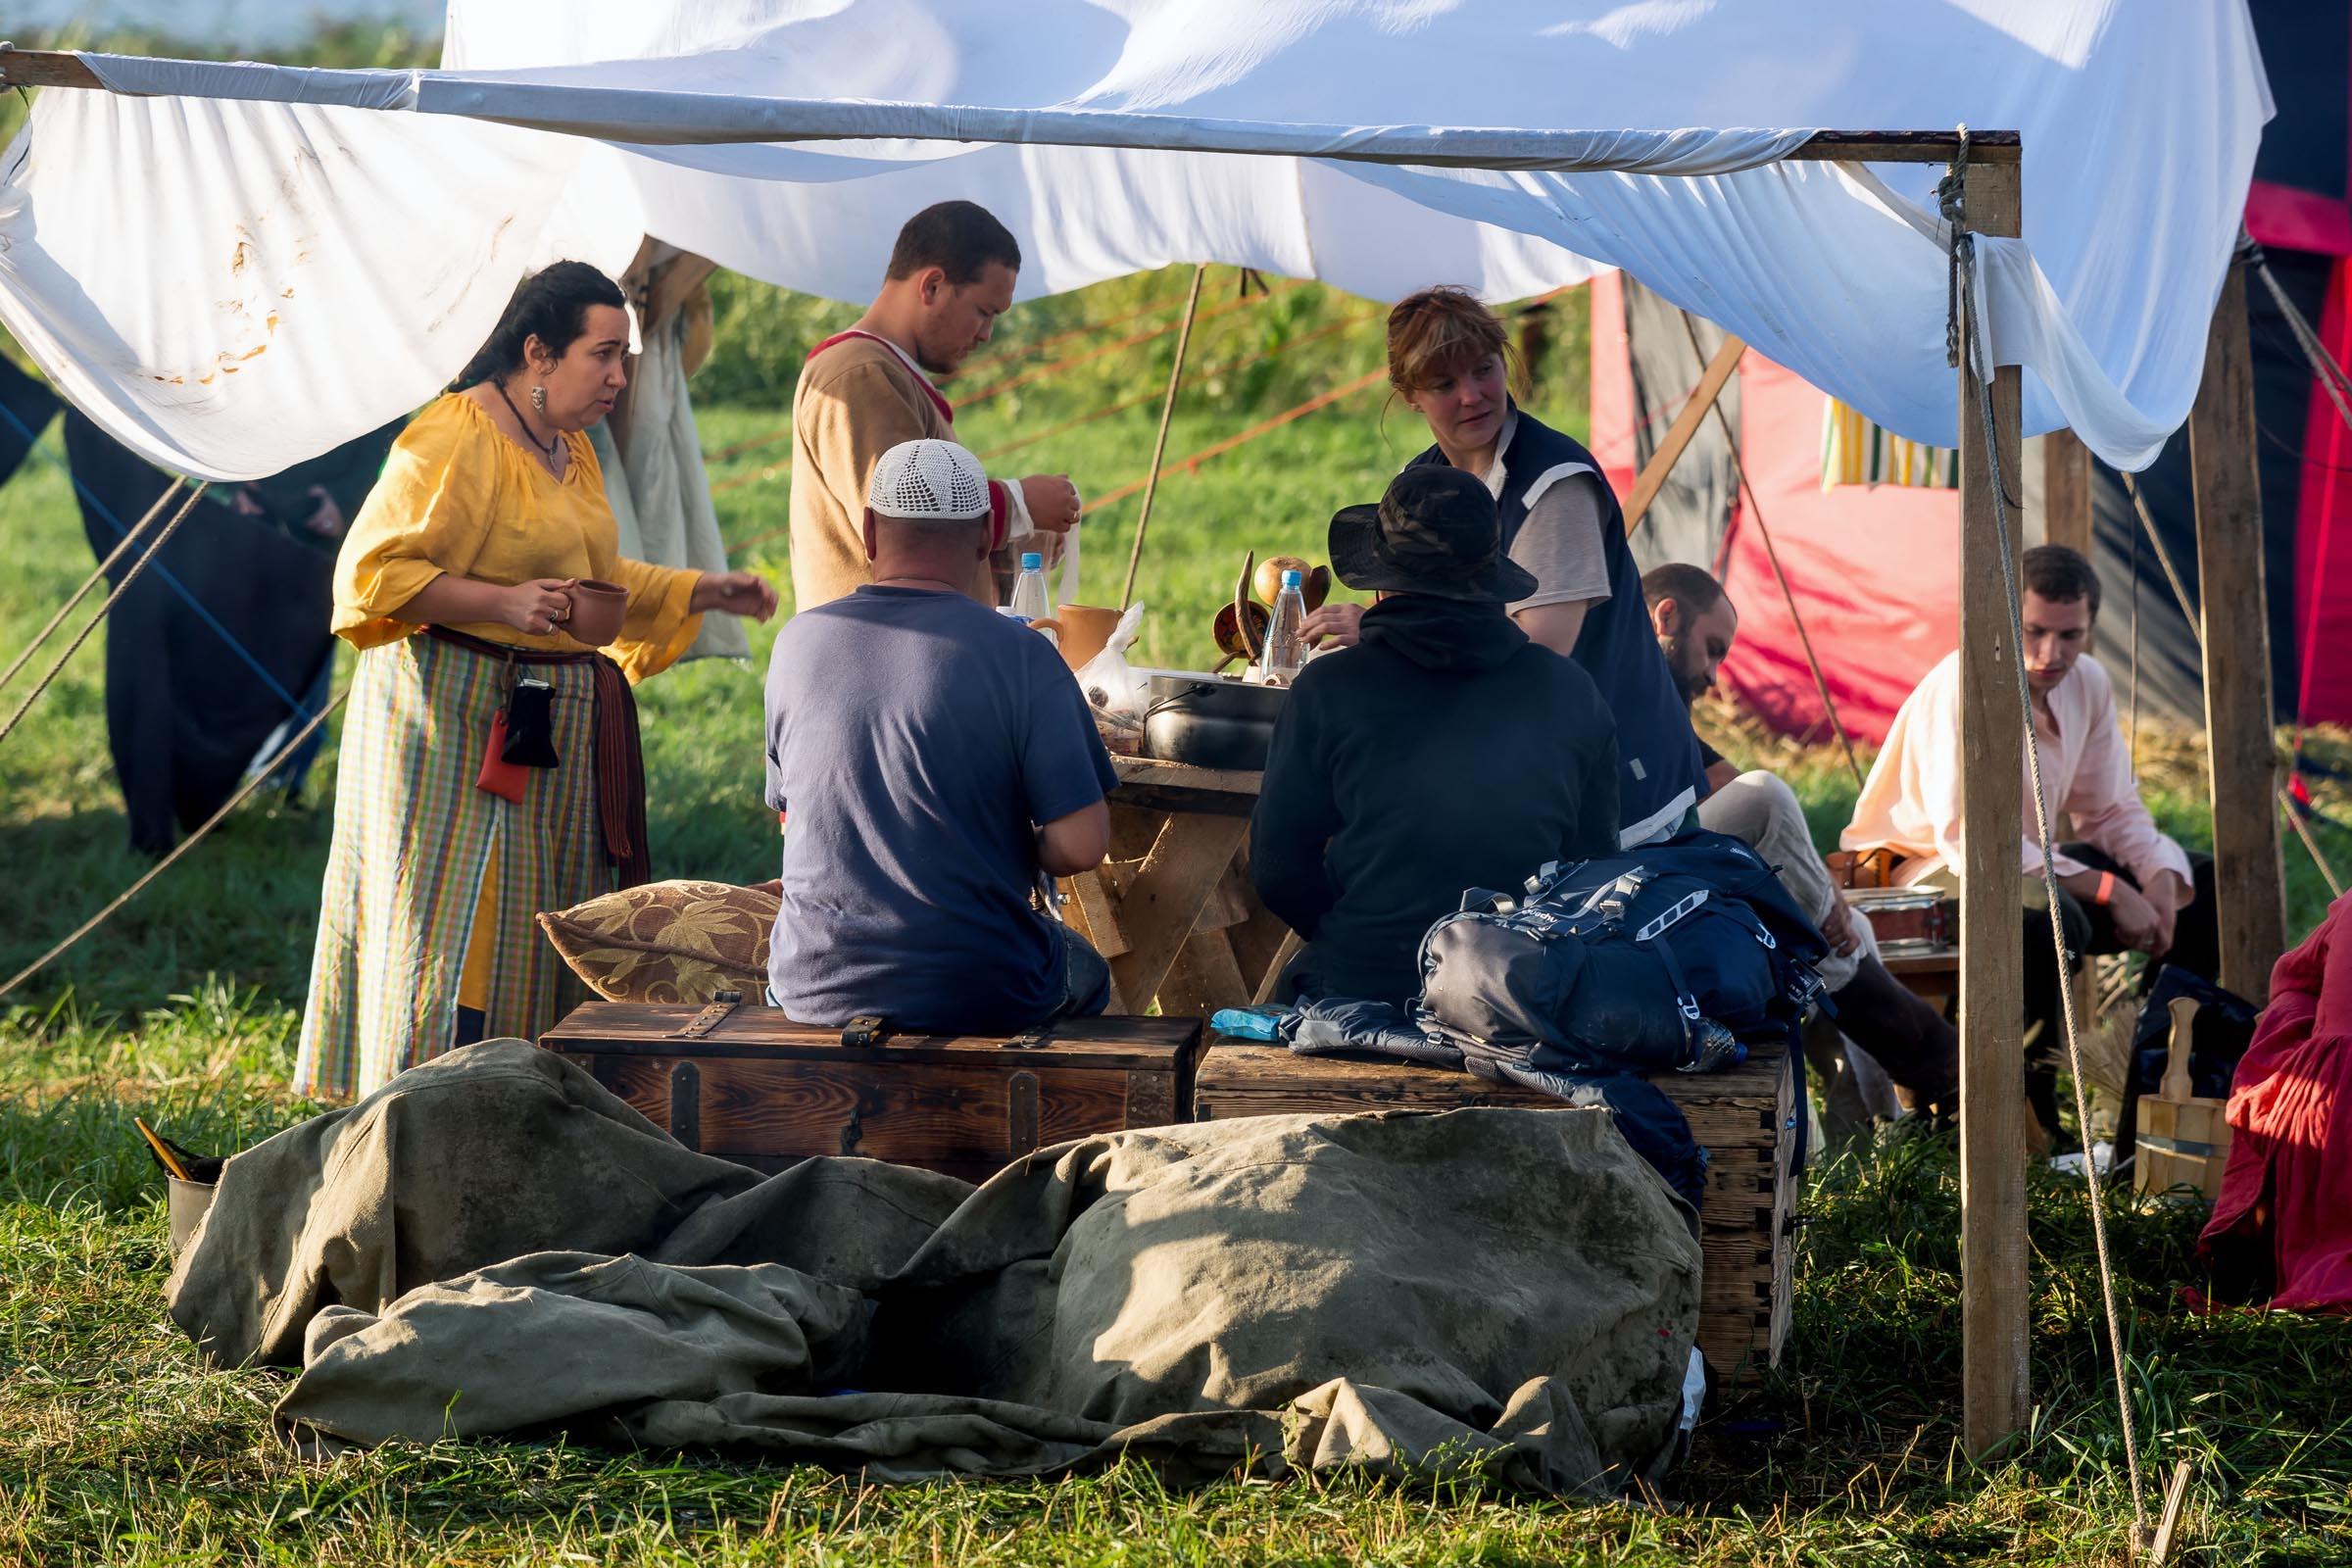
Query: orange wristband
{"type": "Point", "coordinates": [2106, 891]}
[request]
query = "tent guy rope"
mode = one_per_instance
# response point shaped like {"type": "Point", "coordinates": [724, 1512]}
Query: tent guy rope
{"type": "Point", "coordinates": [253, 781]}
{"type": "Point", "coordinates": [1820, 681]}
{"type": "Point", "coordinates": [92, 581]}
{"type": "Point", "coordinates": [128, 577]}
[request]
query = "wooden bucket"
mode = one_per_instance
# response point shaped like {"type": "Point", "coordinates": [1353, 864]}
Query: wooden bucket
{"type": "Point", "coordinates": [188, 1203]}
{"type": "Point", "coordinates": [2184, 1139]}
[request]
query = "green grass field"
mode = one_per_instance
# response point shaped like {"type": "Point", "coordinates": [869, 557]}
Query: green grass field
{"type": "Point", "coordinates": [116, 1446]}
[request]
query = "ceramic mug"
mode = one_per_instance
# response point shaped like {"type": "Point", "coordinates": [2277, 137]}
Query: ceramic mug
{"type": "Point", "coordinates": [597, 608]}
{"type": "Point", "coordinates": [1085, 628]}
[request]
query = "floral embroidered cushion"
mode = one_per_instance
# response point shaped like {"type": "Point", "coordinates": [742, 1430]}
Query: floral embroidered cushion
{"type": "Point", "coordinates": [682, 941]}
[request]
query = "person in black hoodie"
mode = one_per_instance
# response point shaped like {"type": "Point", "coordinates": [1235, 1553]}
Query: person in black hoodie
{"type": "Point", "coordinates": [1445, 751]}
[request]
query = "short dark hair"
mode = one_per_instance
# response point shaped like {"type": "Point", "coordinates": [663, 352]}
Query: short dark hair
{"type": "Point", "coordinates": [551, 304]}
{"type": "Point", "coordinates": [959, 238]}
{"type": "Point", "coordinates": [1692, 587]}
{"type": "Point", "coordinates": [2062, 575]}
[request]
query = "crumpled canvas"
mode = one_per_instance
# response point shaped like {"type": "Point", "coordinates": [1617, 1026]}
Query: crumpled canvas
{"type": "Point", "coordinates": [493, 1243]}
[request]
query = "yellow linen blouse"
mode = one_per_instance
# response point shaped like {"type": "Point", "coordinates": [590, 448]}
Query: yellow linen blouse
{"type": "Point", "coordinates": [458, 494]}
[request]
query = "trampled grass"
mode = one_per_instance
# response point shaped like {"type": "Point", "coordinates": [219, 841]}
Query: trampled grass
{"type": "Point", "coordinates": [118, 1445]}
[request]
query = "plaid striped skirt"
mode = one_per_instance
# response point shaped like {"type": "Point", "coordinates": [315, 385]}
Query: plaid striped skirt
{"type": "Point", "coordinates": [414, 839]}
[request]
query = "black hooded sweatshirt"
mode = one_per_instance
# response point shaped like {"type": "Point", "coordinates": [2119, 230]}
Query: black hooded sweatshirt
{"type": "Point", "coordinates": [1443, 753]}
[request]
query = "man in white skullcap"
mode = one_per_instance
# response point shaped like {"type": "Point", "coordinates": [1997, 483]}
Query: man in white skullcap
{"type": "Point", "coordinates": [930, 758]}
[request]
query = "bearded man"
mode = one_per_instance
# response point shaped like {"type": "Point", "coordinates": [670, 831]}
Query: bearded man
{"type": "Point", "coordinates": [1896, 1033]}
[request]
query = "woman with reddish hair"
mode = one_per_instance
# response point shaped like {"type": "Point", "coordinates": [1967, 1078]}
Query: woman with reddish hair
{"type": "Point", "coordinates": [1451, 362]}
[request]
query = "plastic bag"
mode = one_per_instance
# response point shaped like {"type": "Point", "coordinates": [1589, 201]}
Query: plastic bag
{"type": "Point", "coordinates": [1113, 688]}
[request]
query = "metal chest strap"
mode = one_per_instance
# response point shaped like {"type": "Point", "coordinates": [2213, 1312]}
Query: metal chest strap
{"type": "Point", "coordinates": [722, 1004]}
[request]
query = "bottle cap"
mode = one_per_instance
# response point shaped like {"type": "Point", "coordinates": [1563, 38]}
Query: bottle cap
{"type": "Point", "coordinates": [1291, 578]}
{"type": "Point", "coordinates": [1031, 561]}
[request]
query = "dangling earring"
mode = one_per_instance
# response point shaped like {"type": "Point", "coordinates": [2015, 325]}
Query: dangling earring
{"type": "Point", "coordinates": [539, 399]}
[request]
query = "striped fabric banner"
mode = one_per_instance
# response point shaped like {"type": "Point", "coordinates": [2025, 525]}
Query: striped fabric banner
{"type": "Point", "coordinates": [1854, 451]}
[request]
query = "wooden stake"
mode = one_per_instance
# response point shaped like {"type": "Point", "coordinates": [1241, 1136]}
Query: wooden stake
{"type": "Point", "coordinates": [1996, 1376]}
{"type": "Point", "coordinates": [1160, 446]}
{"type": "Point", "coordinates": [2160, 1547]}
{"type": "Point", "coordinates": [2241, 756]}
{"type": "Point", "coordinates": [1685, 425]}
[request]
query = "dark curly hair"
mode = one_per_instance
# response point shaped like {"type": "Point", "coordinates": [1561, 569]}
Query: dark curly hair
{"type": "Point", "coordinates": [2061, 576]}
{"type": "Point", "coordinates": [552, 305]}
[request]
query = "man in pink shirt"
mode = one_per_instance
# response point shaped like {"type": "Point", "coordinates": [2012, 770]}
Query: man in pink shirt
{"type": "Point", "coordinates": [2123, 885]}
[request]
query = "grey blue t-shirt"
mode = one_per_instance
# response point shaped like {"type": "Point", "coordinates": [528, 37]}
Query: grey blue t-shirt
{"type": "Point", "coordinates": [915, 739]}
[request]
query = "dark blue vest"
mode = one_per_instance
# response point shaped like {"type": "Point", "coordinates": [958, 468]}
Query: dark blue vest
{"type": "Point", "coordinates": [1659, 773]}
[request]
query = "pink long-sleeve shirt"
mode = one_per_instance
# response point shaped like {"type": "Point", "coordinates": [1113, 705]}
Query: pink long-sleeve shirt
{"type": "Point", "coordinates": [1911, 802]}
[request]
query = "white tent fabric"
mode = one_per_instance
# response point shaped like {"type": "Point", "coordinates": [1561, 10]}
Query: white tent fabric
{"type": "Point", "coordinates": [1265, 135]}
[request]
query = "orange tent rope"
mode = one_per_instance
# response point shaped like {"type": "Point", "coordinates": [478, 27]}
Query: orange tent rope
{"type": "Point", "coordinates": [1191, 464]}
{"type": "Point", "coordinates": [738, 449]}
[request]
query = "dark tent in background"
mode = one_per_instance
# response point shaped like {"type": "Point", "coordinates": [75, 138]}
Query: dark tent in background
{"type": "Point", "coordinates": [29, 406]}
{"type": "Point", "coordinates": [1873, 566]}
{"type": "Point", "coordinates": [223, 635]}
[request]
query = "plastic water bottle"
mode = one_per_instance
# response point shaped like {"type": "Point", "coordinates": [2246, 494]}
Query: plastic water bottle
{"type": "Point", "coordinates": [1286, 643]}
{"type": "Point", "coordinates": [1032, 600]}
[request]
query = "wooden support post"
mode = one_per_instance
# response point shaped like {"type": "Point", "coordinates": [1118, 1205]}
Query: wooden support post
{"type": "Point", "coordinates": [2066, 511]}
{"type": "Point", "coordinates": [2240, 755]}
{"type": "Point", "coordinates": [2069, 518]}
{"type": "Point", "coordinates": [1995, 1372]}
{"type": "Point", "coordinates": [1653, 477]}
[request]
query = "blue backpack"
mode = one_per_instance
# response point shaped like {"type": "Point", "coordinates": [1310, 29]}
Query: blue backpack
{"type": "Point", "coordinates": [1621, 963]}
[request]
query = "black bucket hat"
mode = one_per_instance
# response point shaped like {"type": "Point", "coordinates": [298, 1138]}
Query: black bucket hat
{"type": "Point", "coordinates": [1436, 531]}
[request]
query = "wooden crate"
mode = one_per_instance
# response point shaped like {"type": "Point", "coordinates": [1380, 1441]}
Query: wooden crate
{"type": "Point", "coordinates": [1743, 1118]}
{"type": "Point", "coordinates": [765, 1091]}
{"type": "Point", "coordinates": [2184, 1138]}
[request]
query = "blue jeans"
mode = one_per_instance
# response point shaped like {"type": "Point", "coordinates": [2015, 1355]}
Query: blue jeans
{"type": "Point", "coordinates": [1085, 977]}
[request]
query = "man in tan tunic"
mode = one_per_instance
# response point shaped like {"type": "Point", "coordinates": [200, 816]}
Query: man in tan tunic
{"type": "Point", "coordinates": [866, 390]}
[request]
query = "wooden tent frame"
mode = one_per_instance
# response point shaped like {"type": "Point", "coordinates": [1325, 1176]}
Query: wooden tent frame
{"type": "Point", "coordinates": [1996, 1372]}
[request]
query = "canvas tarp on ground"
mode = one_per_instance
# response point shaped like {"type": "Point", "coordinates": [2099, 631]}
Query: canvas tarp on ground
{"type": "Point", "coordinates": [492, 1244]}
{"type": "Point", "coordinates": [200, 271]}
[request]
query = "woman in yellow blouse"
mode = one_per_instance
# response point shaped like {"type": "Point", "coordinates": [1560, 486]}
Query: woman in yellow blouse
{"type": "Point", "coordinates": [489, 766]}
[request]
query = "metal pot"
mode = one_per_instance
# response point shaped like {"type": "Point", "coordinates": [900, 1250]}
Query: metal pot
{"type": "Point", "coordinates": [1210, 721]}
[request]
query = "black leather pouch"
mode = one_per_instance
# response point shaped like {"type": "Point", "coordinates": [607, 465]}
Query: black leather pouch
{"type": "Point", "coordinates": [530, 725]}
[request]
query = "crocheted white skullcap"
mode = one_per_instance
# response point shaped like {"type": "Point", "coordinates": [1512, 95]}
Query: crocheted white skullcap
{"type": "Point", "coordinates": [929, 480]}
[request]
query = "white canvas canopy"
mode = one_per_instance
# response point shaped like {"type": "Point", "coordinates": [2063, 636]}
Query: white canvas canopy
{"type": "Point", "coordinates": [254, 263]}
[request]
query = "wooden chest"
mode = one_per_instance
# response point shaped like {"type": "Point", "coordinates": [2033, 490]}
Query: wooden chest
{"type": "Point", "coordinates": [762, 1090]}
{"type": "Point", "coordinates": [1744, 1119]}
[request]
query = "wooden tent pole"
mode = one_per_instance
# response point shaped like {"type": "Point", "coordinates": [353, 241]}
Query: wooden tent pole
{"type": "Point", "coordinates": [1996, 1371]}
{"type": "Point", "coordinates": [1685, 425]}
{"type": "Point", "coordinates": [2242, 758]}
{"type": "Point", "coordinates": [1160, 444]}
{"type": "Point", "coordinates": [2066, 511]}
{"type": "Point", "coordinates": [2069, 518]}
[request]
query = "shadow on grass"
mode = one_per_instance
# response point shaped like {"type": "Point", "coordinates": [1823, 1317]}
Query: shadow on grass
{"type": "Point", "coordinates": [1868, 1407]}
{"type": "Point", "coordinates": [244, 902]}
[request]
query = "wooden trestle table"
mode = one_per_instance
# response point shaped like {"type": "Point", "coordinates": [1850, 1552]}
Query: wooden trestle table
{"type": "Point", "coordinates": [1172, 908]}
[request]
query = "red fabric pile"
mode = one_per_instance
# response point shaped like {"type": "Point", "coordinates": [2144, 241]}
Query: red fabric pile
{"type": "Point", "coordinates": [2283, 1226]}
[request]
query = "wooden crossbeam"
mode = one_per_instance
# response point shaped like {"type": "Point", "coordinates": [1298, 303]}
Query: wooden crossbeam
{"type": "Point", "coordinates": [46, 67]}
